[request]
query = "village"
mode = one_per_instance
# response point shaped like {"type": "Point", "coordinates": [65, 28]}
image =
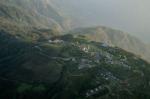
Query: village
{"type": "Point", "coordinates": [96, 57]}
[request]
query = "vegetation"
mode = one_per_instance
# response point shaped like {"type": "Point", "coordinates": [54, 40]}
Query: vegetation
{"type": "Point", "coordinates": [74, 68]}
{"type": "Point", "coordinates": [38, 63]}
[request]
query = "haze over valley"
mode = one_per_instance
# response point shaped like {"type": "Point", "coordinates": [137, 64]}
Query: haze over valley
{"type": "Point", "coordinates": [131, 16]}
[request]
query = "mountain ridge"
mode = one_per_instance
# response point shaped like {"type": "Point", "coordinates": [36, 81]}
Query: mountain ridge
{"type": "Point", "coordinates": [38, 12]}
{"type": "Point", "coordinates": [115, 38]}
{"type": "Point", "coordinates": [38, 60]}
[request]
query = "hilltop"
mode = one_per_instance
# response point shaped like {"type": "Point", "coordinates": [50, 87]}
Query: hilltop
{"type": "Point", "coordinates": [40, 60]}
{"type": "Point", "coordinates": [116, 38]}
{"type": "Point", "coordinates": [65, 67]}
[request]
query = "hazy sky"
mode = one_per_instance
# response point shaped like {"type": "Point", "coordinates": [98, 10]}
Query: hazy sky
{"type": "Point", "coordinates": [132, 16]}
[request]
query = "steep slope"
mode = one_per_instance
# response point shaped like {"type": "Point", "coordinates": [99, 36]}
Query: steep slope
{"type": "Point", "coordinates": [67, 67]}
{"type": "Point", "coordinates": [20, 16]}
{"type": "Point", "coordinates": [26, 19]}
{"type": "Point", "coordinates": [36, 63]}
{"type": "Point", "coordinates": [45, 14]}
{"type": "Point", "coordinates": [37, 13]}
{"type": "Point", "coordinates": [116, 38]}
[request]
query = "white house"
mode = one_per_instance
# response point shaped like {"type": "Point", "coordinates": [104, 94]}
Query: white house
{"type": "Point", "coordinates": [55, 41]}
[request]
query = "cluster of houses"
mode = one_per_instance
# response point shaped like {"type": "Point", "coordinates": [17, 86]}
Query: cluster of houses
{"type": "Point", "coordinates": [97, 56]}
{"type": "Point", "coordinates": [109, 59]}
{"type": "Point", "coordinates": [109, 76]}
{"type": "Point", "coordinates": [125, 65]}
{"type": "Point", "coordinates": [95, 91]}
{"type": "Point", "coordinates": [122, 62]}
{"type": "Point", "coordinates": [123, 58]}
{"type": "Point", "coordinates": [84, 48]}
{"type": "Point", "coordinates": [85, 63]}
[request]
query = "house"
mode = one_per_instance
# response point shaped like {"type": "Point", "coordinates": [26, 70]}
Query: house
{"type": "Point", "coordinates": [85, 48]}
{"type": "Point", "coordinates": [104, 45]}
{"type": "Point", "coordinates": [123, 58]}
{"type": "Point", "coordinates": [55, 41]}
{"type": "Point", "coordinates": [37, 47]}
{"type": "Point", "coordinates": [92, 91]}
{"type": "Point", "coordinates": [87, 94]}
{"type": "Point", "coordinates": [73, 59]}
{"type": "Point", "coordinates": [84, 64]}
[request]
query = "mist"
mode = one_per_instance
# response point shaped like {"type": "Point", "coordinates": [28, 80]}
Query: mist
{"type": "Point", "coordinates": [131, 16]}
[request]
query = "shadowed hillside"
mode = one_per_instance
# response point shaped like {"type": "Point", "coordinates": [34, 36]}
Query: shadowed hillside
{"type": "Point", "coordinates": [68, 67]}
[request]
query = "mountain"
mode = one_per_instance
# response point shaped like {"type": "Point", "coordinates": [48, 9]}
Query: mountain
{"type": "Point", "coordinates": [115, 38]}
{"type": "Point", "coordinates": [69, 67]}
{"type": "Point", "coordinates": [82, 18]}
{"type": "Point", "coordinates": [37, 13]}
{"type": "Point", "coordinates": [31, 20]}
{"type": "Point", "coordinates": [26, 15]}
{"type": "Point", "coordinates": [116, 14]}
{"type": "Point", "coordinates": [38, 62]}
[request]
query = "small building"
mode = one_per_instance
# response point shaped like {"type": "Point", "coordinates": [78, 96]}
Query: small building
{"type": "Point", "coordinates": [37, 47]}
{"type": "Point", "coordinates": [104, 45]}
{"type": "Point", "coordinates": [85, 48]}
{"type": "Point", "coordinates": [55, 41]}
{"type": "Point", "coordinates": [96, 89]}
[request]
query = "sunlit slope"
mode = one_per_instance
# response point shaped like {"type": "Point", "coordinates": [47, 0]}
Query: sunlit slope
{"type": "Point", "coordinates": [35, 13]}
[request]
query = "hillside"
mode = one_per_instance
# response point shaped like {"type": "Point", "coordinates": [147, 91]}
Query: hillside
{"type": "Point", "coordinates": [35, 13]}
{"type": "Point", "coordinates": [68, 67]}
{"type": "Point", "coordinates": [39, 61]}
{"type": "Point", "coordinates": [30, 20]}
{"type": "Point", "coordinates": [45, 15]}
{"type": "Point", "coordinates": [115, 38]}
